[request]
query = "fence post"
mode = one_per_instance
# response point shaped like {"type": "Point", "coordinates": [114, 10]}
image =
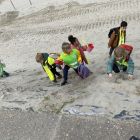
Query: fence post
{"type": "Point", "coordinates": [30, 2]}
{"type": "Point", "coordinates": [13, 5]}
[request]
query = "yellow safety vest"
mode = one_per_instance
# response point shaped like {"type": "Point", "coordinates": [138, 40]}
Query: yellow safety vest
{"type": "Point", "coordinates": [123, 62]}
{"type": "Point", "coordinates": [46, 68]}
{"type": "Point", "coordinates": [121, 38]}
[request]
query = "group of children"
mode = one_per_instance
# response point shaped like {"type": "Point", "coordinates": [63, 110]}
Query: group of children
{"type": "Point", "coordinates": [120, 60]}
{"type": "Point", "coordinates": [73, 56]}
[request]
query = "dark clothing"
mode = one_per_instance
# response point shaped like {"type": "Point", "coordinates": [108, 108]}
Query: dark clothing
{"type": "Point", "coordinates": [114, 39]}
{"type": "Point", "coordinates": [65, 72]}
{"type": "Point", "coordinates": [117, 70]}
{"type": "Point", "coordinates": [5, 74]}
{"type": "Point", "coordinates": [53, 70]}
{"type": "Point", "coordinates": [45, 56]}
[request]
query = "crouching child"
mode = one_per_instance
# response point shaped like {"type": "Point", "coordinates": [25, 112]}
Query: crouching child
{"type": "Point", "coordinates": [48, 64]}
{"type": "Point", "coordinates": [121, 61]}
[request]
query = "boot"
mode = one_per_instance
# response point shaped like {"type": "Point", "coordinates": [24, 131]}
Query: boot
{"type": "Point", "coordinates": [63, 83]}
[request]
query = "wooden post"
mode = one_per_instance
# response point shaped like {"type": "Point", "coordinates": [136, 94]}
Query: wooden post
{"type": "Point", "coordinates": [30, 2]}
{"type": "Point", "coordinates": [13, 5]}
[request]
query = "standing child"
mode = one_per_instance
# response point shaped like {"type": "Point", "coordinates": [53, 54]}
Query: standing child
{"type": "Point", "coordinates": [47, 62]}
{"type": "Point", "coordinates": [76, 45]}
{"type": "Point", "coordinates": [117, 36]}
{"type": "Point", "coordinates": [2, 72]}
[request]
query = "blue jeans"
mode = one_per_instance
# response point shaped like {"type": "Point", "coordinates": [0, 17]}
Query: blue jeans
{"type": "Point", "coordinates": [65, 72]}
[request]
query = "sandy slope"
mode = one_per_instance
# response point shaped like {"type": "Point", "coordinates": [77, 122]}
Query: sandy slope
{"type": "Point", "coordinates": [45, 30]}
{"type": "Point", "coordinates": [26, 7]}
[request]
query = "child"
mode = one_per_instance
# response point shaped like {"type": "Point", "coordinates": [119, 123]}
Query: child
{"type": "Point", "coordinates": [47, 62]}
{"type": "Point", "coordinates": [71, 59]}
{"type": "Point", "coordinates": [76, 45]}
{"type": "Point", "coordinates": [2, 72]}
{"type": "Point", "coordinates": [121, 60]}
{"type": "Point", "coordinates": [117, 36]}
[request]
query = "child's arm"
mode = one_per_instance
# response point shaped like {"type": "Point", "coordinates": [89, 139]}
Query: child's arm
{"type": "Point", "coordinates": [79, 57]}
{"type": "Point", "coordinates": [84, 48]}
{"type": "Point", "coordinates": [111, 40]}
{"type": "Point", "coordinates": [56, 53]}
{"type": "Point", "coordinates": [59, 60]}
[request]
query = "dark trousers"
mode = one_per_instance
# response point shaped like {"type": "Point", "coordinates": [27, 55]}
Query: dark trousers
{"type": "Point", "coordinates": [53, 70]}
{"type": "Point", "coordinates": [65, 72]}
{"type": "Point", "coordinates": [117, 70]}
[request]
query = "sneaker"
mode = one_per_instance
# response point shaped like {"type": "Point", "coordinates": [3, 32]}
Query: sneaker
{"type": "Point", "coordinates": [63, 83]}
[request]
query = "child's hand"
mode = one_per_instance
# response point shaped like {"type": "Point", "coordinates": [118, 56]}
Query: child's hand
{"type": "Point", "coordinates": [56, 53]}
{"type": "Point", "coordinates": [110, 75]}
{"type": "Point", "coordinates": [58, 62]}
{"type": "Point", "coordinates": [130, 77]}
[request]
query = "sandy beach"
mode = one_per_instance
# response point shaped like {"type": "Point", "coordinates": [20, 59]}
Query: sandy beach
{"type": "Point", "coordinates": [44, 30]}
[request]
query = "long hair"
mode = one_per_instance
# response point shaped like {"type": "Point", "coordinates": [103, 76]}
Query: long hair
{"type": "Point", "coordinates": [72, 39]}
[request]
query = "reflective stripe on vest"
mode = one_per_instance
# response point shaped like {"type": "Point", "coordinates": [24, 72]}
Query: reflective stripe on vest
{"type": "Point", "coordinates": [50, 61]}
{"type": "Point", "coordinates": [121, 39]}
{"type": "Point", "coordinates": [74, 65]}
{"type": "Point", "coordinates": [122, 63]}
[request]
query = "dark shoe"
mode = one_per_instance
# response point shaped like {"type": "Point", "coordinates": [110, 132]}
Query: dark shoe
{"type": "Point", "coordinates": [6, 74]}
{"type": "Point", "coordinates": [134, 138]}
{"type": "Point", "coordinates": [55, 81]}
{"type": "Point", "coordinates": [59, 77]}
{"type": "Point", "coordinates": [63, 83]}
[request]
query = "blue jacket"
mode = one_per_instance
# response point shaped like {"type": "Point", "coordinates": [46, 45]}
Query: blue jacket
{"type": "Point", "coordinates": [111, 61]}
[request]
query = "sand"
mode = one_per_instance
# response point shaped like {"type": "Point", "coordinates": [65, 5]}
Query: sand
{"type": "Point", "coordinates": [44, 31]}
